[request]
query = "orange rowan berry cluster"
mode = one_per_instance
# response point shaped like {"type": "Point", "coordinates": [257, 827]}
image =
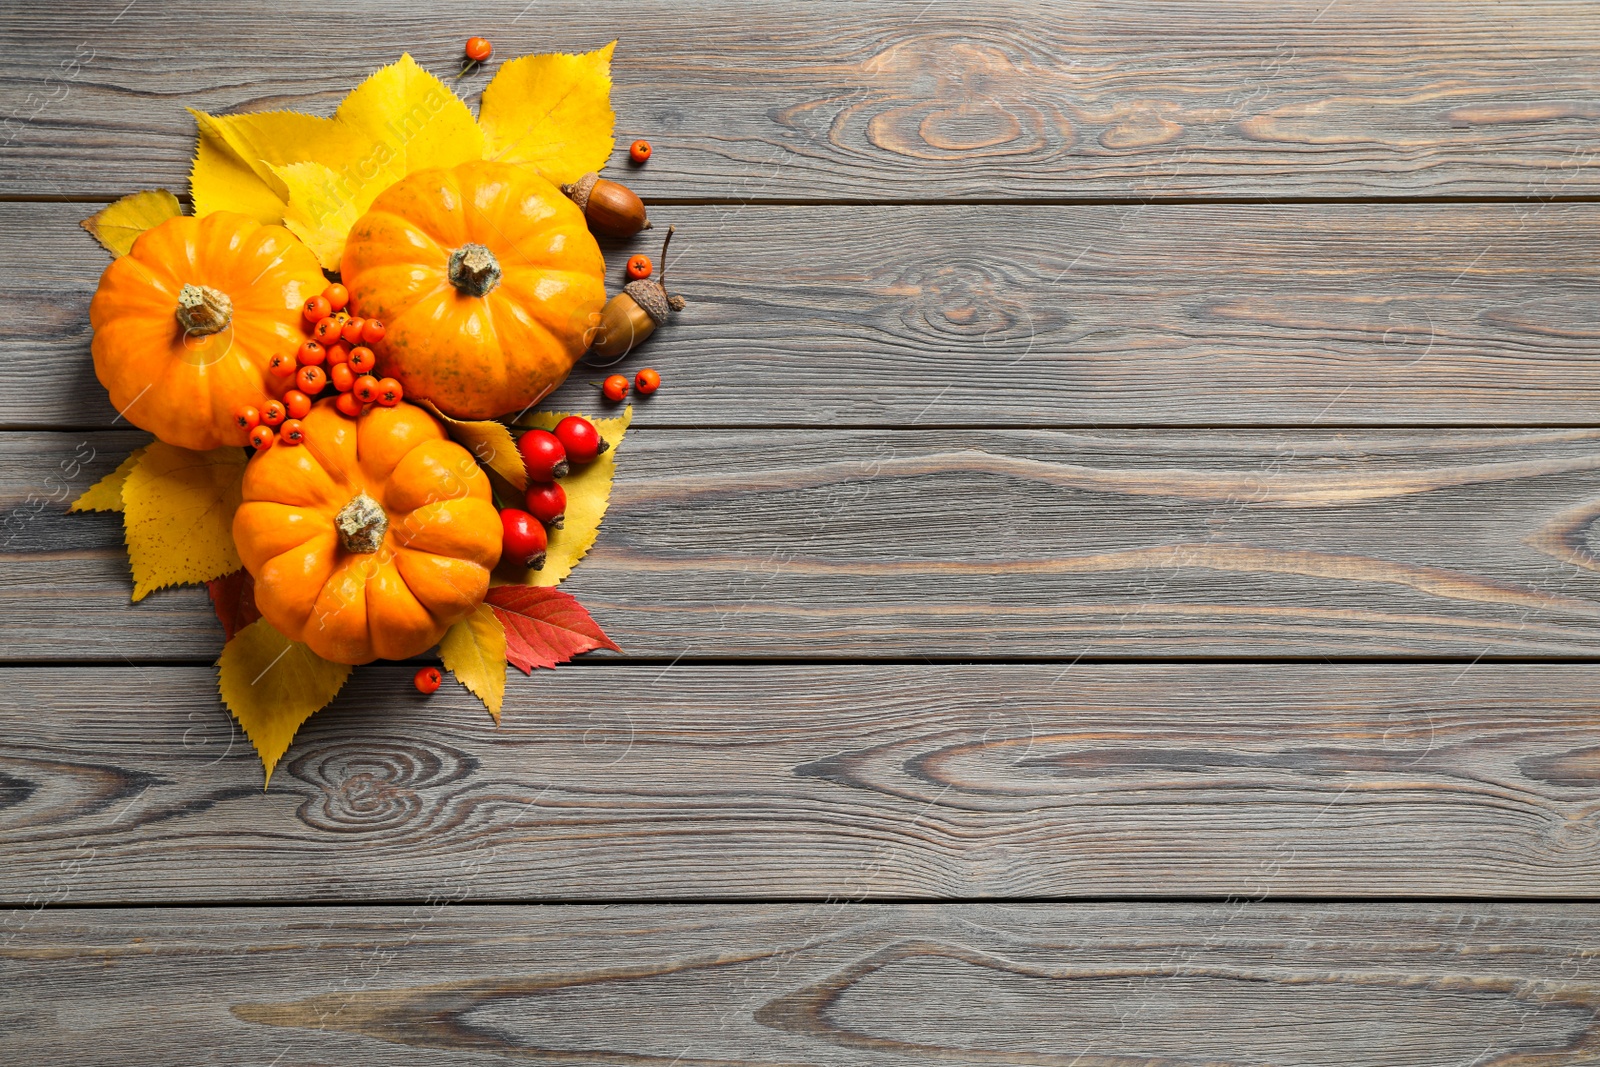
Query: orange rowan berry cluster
{"type": "Point", "coordinates": [338, 355]}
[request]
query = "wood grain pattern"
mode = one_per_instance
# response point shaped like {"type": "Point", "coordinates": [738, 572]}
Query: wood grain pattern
{"type": "Point", "coordinates": [829, 985]}
{"type": "Point", "coordinates": [885, 100]}
{"type": "Point", "coordinates": [1194, 315]}
{"type": "Point", "coordinates": [609, 782]}
{"type": "Point", "coordinates": [872, 544]}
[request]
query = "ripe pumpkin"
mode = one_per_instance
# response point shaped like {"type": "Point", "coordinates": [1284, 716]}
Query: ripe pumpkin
{"type": "Point", "coordinates": [370, 538]}
{"type": "Point", "coordinates": [487, 280]}
{"type": "Point", "coordinates": [185, 323]}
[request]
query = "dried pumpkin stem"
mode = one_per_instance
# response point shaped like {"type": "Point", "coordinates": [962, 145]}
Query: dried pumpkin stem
{"type": "Point", "coordinates": [474, 270]}
{"type": "Point", "coordinates": [362, 524]}
{"type": "Point", "coordinates": [202, 310]}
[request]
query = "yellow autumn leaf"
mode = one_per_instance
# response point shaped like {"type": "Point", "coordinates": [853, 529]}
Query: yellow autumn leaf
{"type": "Point", "coordinates": [489, 441]}
{"type": "Point", "coordinates": [401, 119]}
{"type": "Point", "coordinates": [117, 225]}
{"type": "Point", "coordinates": [178, 517]}
{"type": "Point", "coordinates": [272, 685]}
{"type": "Point", "coordinates": [235, 154]}
{"type": "Point", "coordinates": [106, 494]}
{"type": "Point", "coordinates": [588, 492]}
{"type": "Point", "coordinates": [474, 650]}
{"type": "Point", "coordinates": [552, 112]}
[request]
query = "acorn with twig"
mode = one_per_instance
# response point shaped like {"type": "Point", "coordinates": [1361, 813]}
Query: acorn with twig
{"type": "Point", "coordinates": [630, 317]}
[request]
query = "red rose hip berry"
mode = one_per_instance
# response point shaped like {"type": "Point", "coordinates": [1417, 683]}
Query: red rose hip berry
{"type": "Point", "coordinates": [547, 502]}
{"type": "Point", "coordinates": [581, 440]}
{"type": "Point", "coordinates": [522, 538]}
{"type": "Point", "coordinates": [543, 455]}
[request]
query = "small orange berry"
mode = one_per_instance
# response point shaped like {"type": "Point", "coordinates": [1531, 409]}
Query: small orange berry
{"type": "Point", "coordinates": [647, 381]}
{"type": "Point", "coordinates": [272, 412]}
{"type": "Point", "coordinates": [317, 309]}
{"type": "Point", "coordinates": [342, 377]}
{"type": "Point", "coordinates": [427, 680]}
{"type": "Point", "coordinates": [310, 380]}
{"type": "Point", "coordinates": [247, 417]}
{"type": "Point", "coordinates": [479, 49]}
{"type": "Point", "coordinates": [365, 389]}
{"type": "Point", "coordinates": [326, 330]}
{"type": "Point", "coordinates": [262, 437]}
{"type": "Point", "coordinates": [348, 405]}
{"type": "Point", "coordinates": [390, 393]}
{"type": "Point", "coordinates": [372, 332]}
{"type": "Point", "coordinates": [639, 151]}
{"type": "Point", "coordinates": [292, 433]}
{"type": "Point", "coordinates": [615, 388]}
{"type": "Point", "coordinates": [311, 354]}
{"type": "Point", "coordinates": [296, 404]}
{"type": "Point", "coordinates": [337, 296]}
{"type": "Point", "coordinates": [338, 354]}
{"type": "Point", "coordinates": [281, 365]}
{"type": "Point", "coordinates": [352, 331]}
{"type": "Point", "coordinates": [639, 268]}
{"type": "Point", "coordinates": [362, 360]}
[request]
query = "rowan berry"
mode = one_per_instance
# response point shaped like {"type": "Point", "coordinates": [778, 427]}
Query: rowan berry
{"type": "Point", "coordinates": [427, 680]}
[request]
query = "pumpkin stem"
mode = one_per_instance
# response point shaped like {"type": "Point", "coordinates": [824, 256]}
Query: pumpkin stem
{"type": "Point", "coordinates": [474, 270]}
{"type": "Point", "coordinates": [202, 310]}
{"type": "Point", "coordinates": [362, 524]}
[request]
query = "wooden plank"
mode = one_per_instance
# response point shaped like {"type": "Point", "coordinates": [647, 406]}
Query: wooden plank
{"type": "Point", "coordinates": [873, 544]}
{"type": "Point", "coordinates": [972, 985]}
{"type": "Point", "coordinates": [907, 99]}
{"type": "Point", "coordinates": [1198, 315]}
{"type": "Point", "coordinates": [129, 785]}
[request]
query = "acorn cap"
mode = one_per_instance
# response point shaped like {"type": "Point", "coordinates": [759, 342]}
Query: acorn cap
{"type": "Point", "coordinates": [652, 296]}
{"type": "Point", "coordinates": [579, 190]}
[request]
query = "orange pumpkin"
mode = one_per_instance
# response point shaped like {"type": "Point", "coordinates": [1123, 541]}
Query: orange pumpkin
{"type": "Point", "coordinates": [487, 280]}
{"type": "Point", "coordinates": [369, 539]}
{"type": "Point", "coordinates": [185, 323]}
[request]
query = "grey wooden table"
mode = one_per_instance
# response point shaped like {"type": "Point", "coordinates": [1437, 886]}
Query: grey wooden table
{"type": "Point", "coordinates": [1111, 579]}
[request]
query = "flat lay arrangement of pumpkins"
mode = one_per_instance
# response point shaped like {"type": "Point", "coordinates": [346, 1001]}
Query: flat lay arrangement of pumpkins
{"type": "Point", "coordinates": [339, 354]}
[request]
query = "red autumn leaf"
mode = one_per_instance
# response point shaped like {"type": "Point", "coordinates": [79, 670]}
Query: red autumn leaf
{"type": "Point", "coordinates": [544, 626]}
{"type": "Point", "coordinates": [233, 597]}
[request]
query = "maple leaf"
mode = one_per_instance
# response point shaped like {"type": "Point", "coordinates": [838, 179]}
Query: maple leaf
{"type": "Point", "coordinates": [544, 626]}
{"type": "Point", "coordinates": [118, 225]}
{"type": "Point", "coordinates": [489, 441]}
{"type": "Point", "coordinates": [106, 494]}
{"type": "Point", "coordinates": [474, 650]}
{"type": "Point", "coordinates": [588, 490]}
{"type": "Point", "coordinates": [233, 598]}
{"type": "Point", "coordinates": [551, 112]}
{"type": "Point", "coordinates": [272, 685]}
{"type": "Point", "coordinates": [178, 515]}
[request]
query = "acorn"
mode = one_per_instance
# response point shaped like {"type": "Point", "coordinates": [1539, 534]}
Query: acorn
{"type": "Point", "coordinates": [633, 314]}
{"type": "Point", "coordinates": [610, 207]}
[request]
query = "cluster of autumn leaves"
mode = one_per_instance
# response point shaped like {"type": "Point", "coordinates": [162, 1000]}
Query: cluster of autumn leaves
{"type": "Point", "coordinates": [317, 176]}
